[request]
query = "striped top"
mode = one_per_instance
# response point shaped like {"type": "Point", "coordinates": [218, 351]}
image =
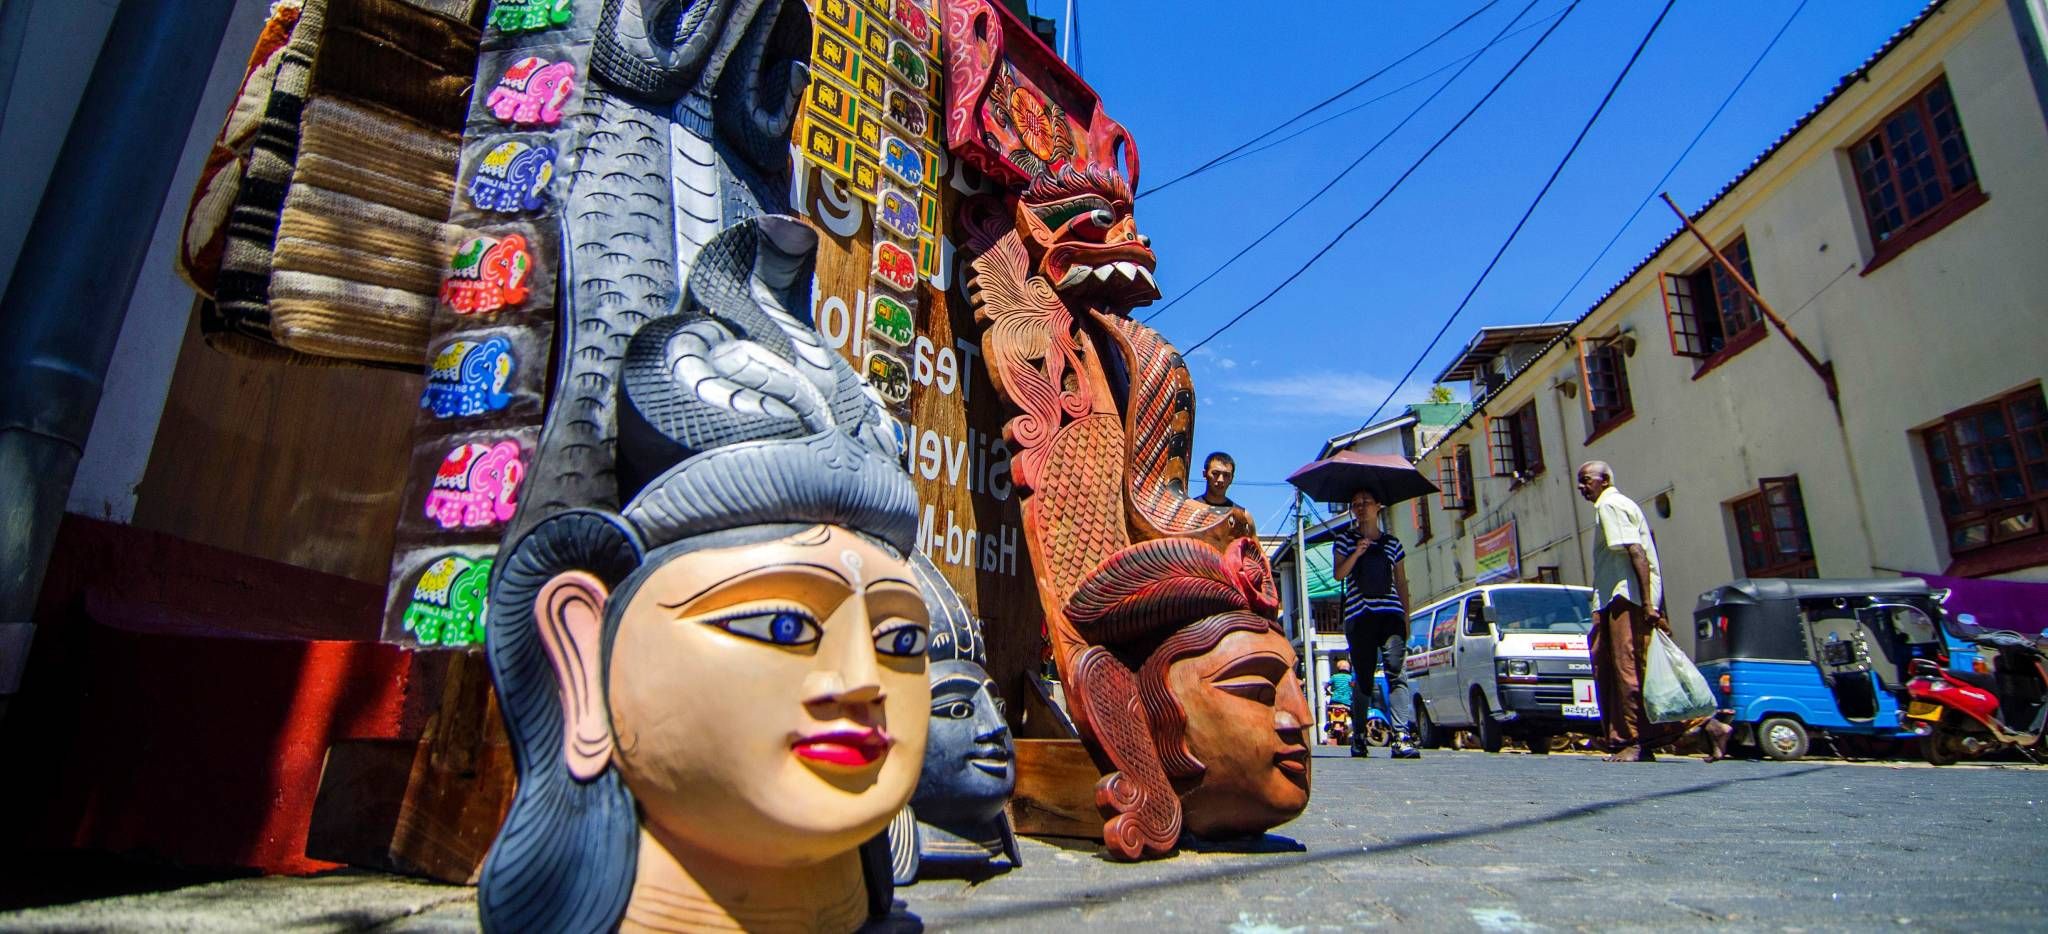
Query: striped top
{"type": "Point", "coordinates": [1370, 586]}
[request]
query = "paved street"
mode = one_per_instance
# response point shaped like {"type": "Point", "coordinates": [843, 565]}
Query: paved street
{"type": "Point", "coordinates": [1459, 841]}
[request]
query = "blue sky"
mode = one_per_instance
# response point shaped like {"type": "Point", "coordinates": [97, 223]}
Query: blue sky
{"type": "Point", "coordinates": [1192, 79]}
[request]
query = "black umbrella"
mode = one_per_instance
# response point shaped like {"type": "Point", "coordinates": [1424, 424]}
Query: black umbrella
{"type": "Point", "coordinates": [1389, 476]}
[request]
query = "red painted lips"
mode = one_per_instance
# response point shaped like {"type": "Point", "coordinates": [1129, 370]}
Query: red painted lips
{"type": "Point", "coordinates": [850, 748]}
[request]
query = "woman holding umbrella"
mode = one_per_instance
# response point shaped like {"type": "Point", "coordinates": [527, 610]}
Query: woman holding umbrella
{"type": "Point", "coordinates": [1376, 612]}
{"type": "Point", "coordinates": [1369, 563]}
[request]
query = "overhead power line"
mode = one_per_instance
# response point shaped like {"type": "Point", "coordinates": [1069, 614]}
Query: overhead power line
{"type": "Point", "coordinates": [1440, 69]}
{"type": "Point", "coordinates": [1527, 213]}
{"type": "Point", "coordinates": [1433, 147]}
{"type": "Point", "coordinates": [1325, 102]}
{"type": "Point", "coordinates": [1651, 195]}
{"type": "Point", "coordinates": [1355, 163]}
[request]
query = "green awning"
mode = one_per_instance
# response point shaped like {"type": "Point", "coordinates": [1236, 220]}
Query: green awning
{"type": "Point", "coordinates": [1320, 563]}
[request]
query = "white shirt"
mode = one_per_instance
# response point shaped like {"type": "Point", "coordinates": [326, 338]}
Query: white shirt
{"type": "Point", "coordinates": [1618, 524]}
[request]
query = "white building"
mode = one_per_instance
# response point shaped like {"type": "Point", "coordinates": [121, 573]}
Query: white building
{"type": "Point", "coordinates": [1897, 230]}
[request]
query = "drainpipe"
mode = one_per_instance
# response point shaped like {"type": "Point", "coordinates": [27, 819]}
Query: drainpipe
{"type": "Point", "coordinates": [71, 286]}
{"type": "Point", "coordinates": [1571, 509]}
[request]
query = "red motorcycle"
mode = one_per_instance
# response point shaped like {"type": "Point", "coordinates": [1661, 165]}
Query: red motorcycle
{"type": "Point", "coordinates": [1963, 714]}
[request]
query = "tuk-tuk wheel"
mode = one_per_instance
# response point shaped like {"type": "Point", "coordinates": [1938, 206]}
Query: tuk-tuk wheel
{"type": "Point", "coordinates": [1782, 738]}
{"type": "Point", "coordinates": [1539, 744]}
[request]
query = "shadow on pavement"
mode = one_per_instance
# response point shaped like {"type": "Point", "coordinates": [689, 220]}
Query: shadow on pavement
{"type": "Point", "coordinates": [1288, 861]}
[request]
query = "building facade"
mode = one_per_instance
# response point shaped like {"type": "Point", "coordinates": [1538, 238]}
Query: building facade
{"type": "Point", "coordinates": [1894, 425]}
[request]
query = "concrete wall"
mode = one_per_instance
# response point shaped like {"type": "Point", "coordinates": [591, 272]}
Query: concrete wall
{"type": "Point", "coordinates": [1954, 320]}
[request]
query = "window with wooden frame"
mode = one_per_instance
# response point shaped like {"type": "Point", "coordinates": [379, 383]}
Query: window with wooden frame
{"type": "Point", "coordinates": [1914, 172]}
{"type": "Point", "coordinates": [1707, 310]}
{"type": "Point", "coordinates": [1451, 491]}
{"type": "Point", "coordinates": [1990, 466]}
{"type": "Point", "coordinates": [1547, 574]}
{"type": "Point", "coordinates": [1770, 527]}
{"type": "Point", "coordinates": [1603, 373]}
{"type": "Point", "coordinates": [1468, 501]}
{"type": "Point", "coordinates": [1418, 509]}
{"type": "Point", "coordinates": [1513, 448]}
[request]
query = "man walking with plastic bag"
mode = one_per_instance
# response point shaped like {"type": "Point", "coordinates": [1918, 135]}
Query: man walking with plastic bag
{"type": "Point", "coordinates": [1630, 595]}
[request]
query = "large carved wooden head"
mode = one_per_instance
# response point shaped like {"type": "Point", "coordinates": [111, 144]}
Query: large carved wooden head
{"type": "Point", "coordinates": [957, 816]}
{"type": "Point", "coordinates": [735, 660]}
{"type": "Point", "coordinates": [1226, 713]}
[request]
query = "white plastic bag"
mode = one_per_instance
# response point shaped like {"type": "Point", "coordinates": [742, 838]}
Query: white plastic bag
{"type": "Point", "coordinates": [1673, 690]}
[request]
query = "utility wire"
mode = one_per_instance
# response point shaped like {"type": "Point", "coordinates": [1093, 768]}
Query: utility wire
{"type": "Point", "coordinates": [1355, 163]}
{"type": "Point", "coordinates": [1360, 219]}
{"type": "Point", "coordinates": [1526, 214]}
{"type": "Point", "coordinates": [1651, 195]}
{"type": "Point", "coordinates": [1440, 69]}
{"type": "Point", "coordinates": [1325, 102]}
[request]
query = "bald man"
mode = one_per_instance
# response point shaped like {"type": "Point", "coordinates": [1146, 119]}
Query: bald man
{"type": "Point", "coordinates": [1630, 597]}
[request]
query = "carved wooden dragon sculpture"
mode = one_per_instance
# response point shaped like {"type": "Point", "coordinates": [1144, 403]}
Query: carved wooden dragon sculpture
{"type": "Point", "coordinates": [1123, 557]}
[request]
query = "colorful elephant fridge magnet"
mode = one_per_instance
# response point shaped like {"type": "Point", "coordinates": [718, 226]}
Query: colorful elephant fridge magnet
{"type": "Point", "coordinates": [448, 603]}
{"type": "Point", "coordinates": [469, 377]}
{"type": "Point", "coordinates": [533, 92]}
{"type": "Point", "coordinates": [894, 266]}
{"type": "Point", "coordinates": [531, 15]}
{"type": "Point", "coordinates": [889, 319]}
{"type": "Point", "coordinates": [477, 486]}
{"type": "Point", "coordinates": [898, 213]}
{"type": "Point", "coordinates": [513, 178]}
{"type": "Point", "coordinates": [487, 274]}
{"type": "Point", "coordinates": [889, 376]}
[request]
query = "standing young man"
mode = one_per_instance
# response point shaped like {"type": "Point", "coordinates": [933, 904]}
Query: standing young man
{"type": "Point", "coordinates": [1218, 469]}
{"type": "Point", "coordinates": [1376, 614]}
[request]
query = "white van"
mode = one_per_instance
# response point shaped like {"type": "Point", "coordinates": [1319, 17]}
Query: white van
{"type": "Point", "coordinates": [1503, 660]}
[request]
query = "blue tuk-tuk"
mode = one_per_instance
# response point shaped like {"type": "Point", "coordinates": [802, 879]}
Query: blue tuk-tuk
{"type": "Point", "coordinates": [1794, 658]}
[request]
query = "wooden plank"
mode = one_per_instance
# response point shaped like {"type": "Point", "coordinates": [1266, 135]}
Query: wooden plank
{"type": "Point", "coordinates": [361, 787]}
{"type": "Point", "coordinates": [302, 465]}
{"type": "Point", "coordinates": [429, 807]}
{"type": "Point", "coordinates": [1055, 794]}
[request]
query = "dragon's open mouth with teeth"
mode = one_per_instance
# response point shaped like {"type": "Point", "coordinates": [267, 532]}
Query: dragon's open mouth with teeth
{"type": "Point", "coordinates": [1091, 250]}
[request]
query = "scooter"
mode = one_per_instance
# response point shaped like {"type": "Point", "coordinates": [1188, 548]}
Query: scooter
{"type": "Point", "coordinates": [1377, 731]}
{"type": "Point", "coordinates": [1960, 714]}
{"type": "Point", "coordinates": [1339, 725]}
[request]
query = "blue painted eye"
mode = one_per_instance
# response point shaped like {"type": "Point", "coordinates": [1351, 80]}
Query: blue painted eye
{"type": "Point", "coordinates": [780, 627]}
{"type": "Point", "coordinates": [953, 710]}
{"type": "Point", "coordinates": [902, 641]}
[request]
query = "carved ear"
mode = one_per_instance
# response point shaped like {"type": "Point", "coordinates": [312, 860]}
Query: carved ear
{"type": "Point", "coordinates": [570, 612]}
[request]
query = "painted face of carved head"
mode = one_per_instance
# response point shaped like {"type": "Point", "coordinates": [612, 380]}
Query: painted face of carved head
{"type": "Point", "coordinates": [769, 701]}
{"type": "Point", "coordinates": [1245, 724]}
{"type": "Point", "coordinates": [1080, 225]}
{"type": "Point", "coordinates": [968, 768]}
